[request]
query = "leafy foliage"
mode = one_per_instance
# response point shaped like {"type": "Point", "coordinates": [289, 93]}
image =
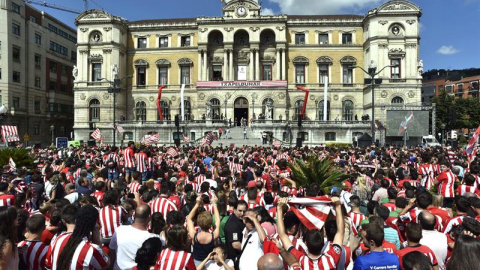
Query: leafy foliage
{"type": "Point", "coordinates": [467, 111]}
{"type": "Point", "coordinates": [20, 156]}
{"type": "Point", "coordinates": [339, 145]}
{"type": "Point", "coordinates": [320, 171]}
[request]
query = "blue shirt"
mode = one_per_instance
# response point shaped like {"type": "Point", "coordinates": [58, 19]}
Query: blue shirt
{"type": "Point", "coordinates": [207, 162]}
{"type": "Point", "coordinates": [378, 261]}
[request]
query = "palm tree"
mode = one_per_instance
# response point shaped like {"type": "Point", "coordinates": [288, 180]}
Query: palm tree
{"type": "Point", "coordinates": [317, 171]}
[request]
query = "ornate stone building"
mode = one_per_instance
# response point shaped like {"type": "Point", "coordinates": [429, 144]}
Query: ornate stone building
{"type": "Point", "coordinates": [244, 64]}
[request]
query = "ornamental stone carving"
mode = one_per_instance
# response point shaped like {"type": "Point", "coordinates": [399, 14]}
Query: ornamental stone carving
{"type": "Point", "coordinates": [107, 29]}
{"type": "Point", "coordinates": [83, 96]}
{"type": "Point", "coordinates": [300, 60]}
{"type": "Point", "coordinates": [411, 21]}
{"type": "Point", "coordinates": [281, 95]}
{"type": "Point", "coordinates": [151, 99]}
{"type": "Point", "coordinates": [201, 96]}
{"type": "Point", "coordinates": [335, 97]}
{"type": "Point", "coordinates": [348, 60]}
{"type": "Point", "coordinates": [140, 62]}
{"type": "Point", "coordinates": [280, 28]}
{"type": "Point", "coordinates": [95, 16]}
{"type": "Point", "coordinates": [324, 60]}
{"type": "Point", "coordinates": [382, 22]}
{"type": "Point", "coordinates": [162, 62]}
{"type": "Point", "coordinates": [411, 94]}
{"type": "Point", "coordinates": [106, 96]}
{"type": "Point", "coordinates": [255, 29]}
{"type": "Point", "coordinates": [203, 30]}
{"type": "Point", "coordinates": [396, 7]}
{"type": "Point", "coordinates": [185, 61]}
{"type": "Point", "coordinates": [228, 29]}
{"type": "Point", "coordinates": [95, 58]}
{"type": "Point", "coordinates": [107, 50]}
{"type": "Point", "coordinates": [174, 98]}
{"type": "Point", "coordinates": [83, 29]}
{"type": "Point", "coordinates": [384, 94]}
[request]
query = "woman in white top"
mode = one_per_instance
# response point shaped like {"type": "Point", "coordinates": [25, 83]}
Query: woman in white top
{"type": "Point", "coordinates": [216, 260]}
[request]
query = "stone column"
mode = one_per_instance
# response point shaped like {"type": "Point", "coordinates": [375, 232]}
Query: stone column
{"type": "Point", "coordinates": [204, 68]}
{"type": "Point", "coordinates": [231, 77]}
{"type": "Point", "coordinates": [277, 64]}
{"type": "Point", "coordinates": [284, 66]}
{"type": "Point", "coordinates": [225, 65]}
{"type": "Point", "coordinates": [199, 66]}
{"type": "Point", "coordinates": [252, 65]}
{"type": "Point", "coordinates": [257, 65]}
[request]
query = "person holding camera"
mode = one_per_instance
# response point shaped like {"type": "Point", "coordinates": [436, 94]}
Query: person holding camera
{"type": "Point", "coordinates": [216, 260]}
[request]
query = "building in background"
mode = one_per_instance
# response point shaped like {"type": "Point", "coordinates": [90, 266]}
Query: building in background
{"type": "Point", "coordinates": [246, 65]}
{"type": "Point", "coordinates": [37, 55]}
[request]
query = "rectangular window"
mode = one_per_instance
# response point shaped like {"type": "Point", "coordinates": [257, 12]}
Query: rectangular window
{"type": "Point", "coordinates": [346, 38]}
{"type": "Point", "coordinates": [15, 29]}
{"type": "Point", "coordinates": [38, 61]}
{"type": "Point", "coordinates": [323, 38]}
{"type": "Point", "coordinates": [448, 88]}
{"type": "Point", "coordinates": [474, 85]}
{"type": "Point", "coordinates": [96, 72]}
{"type": "Point", "coordinates": [53, 66]}
{"type": "Point", "coordinates": [347, 74]}
{"type": "Point", "coordinates": [63, 87]}
{"type": "Point", "coordinates": [300, 73]}
{"type": "Point", "coordinates": [38, 38]}
{"type": "Point", "coordinates": [52, 85]}
{"type": "Point", "coordinates": [16, 76]}
{"type": "Point", "coordinates": [217, 73]}
{"type": "Point", "coordinates": [37, 82]}
{"type": "Point", "coordinates": [16, 102]}
{"type": "Point", "coordinates": [37, 105]}
{"type": "Point", "coordinates": [163, 75]}
{"type": "Point", "coordinates": [15, 8]}
{"type": "Point", "coordinates": [185, 73]}
{"type": "Point", "coordinates": [323, 72]}
{"type": "Point", "coordinates": [33, 19]}
{"type": "Point", "coordinates": [300, 38]}
{"type": "Point", "coordinates": [163, 42]}
{"type": "Point", "coordinates": [185, 41]}
{"type": "Point", "coordinates": [36, 129]}
{"type": "Point", "coordinates": [330, 136]}
{"type": "Point", "coordinates": [16, 53]}
{"type": "Point", "coordinates": [141, 75]}
{"type": "Point", "coordinates": [73, 57]}
{"type": "Point", "coordinates": [395, 69]}
{"type": "Point", "coordinates": [64, 70]}
{"type": "Point", "coordinates": [142, 43]}
{"type": "Point", "coordinates": [267, 73]}
{"type": "Point", "coordinates": [58, 48]}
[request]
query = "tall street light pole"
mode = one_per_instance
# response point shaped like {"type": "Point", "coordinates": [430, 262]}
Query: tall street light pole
{"type": "Point", "coordinates": [372, 72]}
{"type": "Point", "coordinates": [115, 89]}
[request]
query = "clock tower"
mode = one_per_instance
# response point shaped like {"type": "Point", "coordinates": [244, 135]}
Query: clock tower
{"type": "Point", "coordinates": [242, 9]}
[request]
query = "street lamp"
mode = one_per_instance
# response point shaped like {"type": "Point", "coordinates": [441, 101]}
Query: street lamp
{"type": "Point", "coordinates": [227, 97]}
{"type": "Point", "coordinates": [372, 72]}
{"type": "Point", "coordinates": [52, 130]}
{"type": "Point", "coordinates": [254, 97]}
{"type": "Point", "coordinates": [443, 126]}
{"type": "Point", "coordinates": [115, 89]}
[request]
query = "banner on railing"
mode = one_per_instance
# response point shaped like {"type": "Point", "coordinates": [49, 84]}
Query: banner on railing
{"type": "Point", "coordinates": [241, 84]}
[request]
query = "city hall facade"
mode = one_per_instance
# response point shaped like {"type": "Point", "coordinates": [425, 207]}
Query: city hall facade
{"type": "Point", "coordinates": [245, 65]}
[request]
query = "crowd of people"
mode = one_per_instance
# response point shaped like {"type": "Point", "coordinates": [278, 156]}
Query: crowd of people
{"type": "Point", "coordinates": [159, 207]}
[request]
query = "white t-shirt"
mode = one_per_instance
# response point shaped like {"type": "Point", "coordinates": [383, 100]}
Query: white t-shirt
{"type": "Point", "coordinates": [252, 252]}
{"type": "Point", "coordinates": [126, 241]}
{"type": "Point", "coordinates": [72, 197]}
{"type": "Point", "coordinates": [437, 242]}
{"type": "Point", "coordinates": [212, 183]}
{"type": "Point", "coordinates": [212, 265]}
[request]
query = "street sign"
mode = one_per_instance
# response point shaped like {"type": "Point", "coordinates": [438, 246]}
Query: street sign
{"type": "Point", "coordinates": [62, 142]}
{"type": "Point", "coordinates": [26, 137]}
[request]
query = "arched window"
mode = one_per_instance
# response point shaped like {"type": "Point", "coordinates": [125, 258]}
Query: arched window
{"type": "Point", "coordinates": [267, 108]}
{"type": "Point", "coordinates": [187, 109]}
{"type": "Point", "coordinates": [165, 107]}
{"type": "Point", "coordinates": [397, 101]}
{"type": "Point", "coordinates": [94, 110]}
{"type": "Point", "coordinates": [298, 109]}
{"type": "Point", "coordinates": [320, 110]}
{"type": "Point", "coordinates": [215, 108]}
{"type": "Point", "coordinates": [141, 111]}
{"type": "Point", "coordinates": [347, 109]}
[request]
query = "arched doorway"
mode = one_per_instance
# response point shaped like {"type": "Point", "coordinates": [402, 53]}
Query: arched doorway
{"type": "Point", "coordinates": [240, 110]}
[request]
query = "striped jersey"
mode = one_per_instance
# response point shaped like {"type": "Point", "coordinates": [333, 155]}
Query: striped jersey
{"type": "Point", "coordinates": [355, 220]}
{"type": "Point", "coordinates": [110, 218]}
{"type": "Point", "coordinates": [447, 181]}
{"type": "Point", "coordinates": [162, 205]}
{"type": "Point", "coordinates": [462, 189]}
{"type": "Point", "coordinates": [129, 157]}
{"type": "Point", "coordinates": [99, 196]}
{"type": "Point", "coordinates": [175, 260]}
{"type": "Point", "coordinates": [34, 254]}
{"type": "Point", "coordinates": [88, 256]}
{"type": "Point", "coordinates": [7, 200]}
{"type": "Point", "coordinates": [327, 260]}
{"type": "Point", "coordinates": [428, 172]}
{"type": "Point", "coordinates": [141, 160]}
{"type": "Point", "coordinates": [422, 249]}
{"type": "Point", "coordinates": [134, 187]}
{"type": "Point", "coordinates": [55, 248]}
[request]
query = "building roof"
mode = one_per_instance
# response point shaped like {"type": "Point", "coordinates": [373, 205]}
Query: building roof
{"type": "Point", "coordinates": [173, 20]}
{"type": "Point", "coordinates": [325, 17]}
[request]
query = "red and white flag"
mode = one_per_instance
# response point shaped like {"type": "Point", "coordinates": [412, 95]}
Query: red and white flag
{"type": "Point", "coordinates": [11, 163]}
{"type": "Point", "coordinates": [186, 139]}
{"type": "Point", "coordinates": [120, 129]}
{"type": "Point", "coordinates": [10, 134]}
{"type": "Point", "coordinates": [172, 152]}
{"type": "Point", "coordinates": [209, 138]}
{"type": "Point", "coordinates": [312, 211]}
{"type": "Point", "coordinates": [405, 124]}
{"type": "Point", "coordinates": [149, 139]}
{"type": "Point", "coordinates": [277, 144]}
{"type": "Point", "coordinates": [96, 134]}
{"type": "Point", "coordinates": [471, 148]}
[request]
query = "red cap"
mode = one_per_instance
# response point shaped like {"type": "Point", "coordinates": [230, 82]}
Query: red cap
{"type": "Point", "coordinates": [252, 184]}
{"type": "Point", "coordinates": [179, 182]}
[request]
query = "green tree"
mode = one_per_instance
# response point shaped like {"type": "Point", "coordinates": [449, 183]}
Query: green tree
{"type": "Point", "coordinates": [444, 105]}
{"type": "Point", "coordinates": [315, 170]}
{"type": "Point", "coordinates": [20, 156]}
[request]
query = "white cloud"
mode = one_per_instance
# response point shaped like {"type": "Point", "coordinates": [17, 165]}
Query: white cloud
{"type": "Point", "coordinates": [267, 11]}
{"type": "Point", "coordinates": [447, 50]}
{"type": "Point", "coordinates": [312, 7]}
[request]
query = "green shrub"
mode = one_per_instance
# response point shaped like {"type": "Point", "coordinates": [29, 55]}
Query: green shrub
{"type": "Point", "coordinates": [20, 156]}
{"type": "Point", "coordinates": [339, 145]}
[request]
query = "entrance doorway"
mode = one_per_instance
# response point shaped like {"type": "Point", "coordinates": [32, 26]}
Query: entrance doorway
{"type": "Point", "coordinates": [240, 110]}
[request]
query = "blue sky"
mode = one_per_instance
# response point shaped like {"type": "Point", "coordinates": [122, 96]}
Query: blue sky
{"type": "Point", "coordinates": [450, 37]}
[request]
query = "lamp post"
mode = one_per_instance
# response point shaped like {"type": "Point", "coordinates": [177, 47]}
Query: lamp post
{"type": "Point", "coordinates": [254, 97]}
{"type": "Point", "coordinates": [227, 97]}
{"type": "Point", "coordinates": [115, 89]}
{"type": "Point", "coordinates": [372, 72]}
{"type": "Point", "coordinates": [443, 133]}
{"type": "Point", "coordinates": [52, 130]}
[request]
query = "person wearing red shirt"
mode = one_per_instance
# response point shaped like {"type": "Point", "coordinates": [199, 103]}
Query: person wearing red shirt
{"type": "Point", "coordinates": [111, 215]}
{"type": "Point", "coordinates": [392, 194]}
{"type": "Point", "coordinates": [468, 186]}
{"type": "Point", "coordinates": [5, 198]}
{"type": "Point", "coordinates": [100, 191]}
{"type": "Point", "coordinates": [33, 251]}
{"type": "Point", "coordinates": [129, 155]}
{"type": "Point", "coordinates": [414, 234]}
{"type": "Point", "coordinates": [60, 240]}
{"type": "Point", "coordinates": [176, 255]}
{"type": "Point", "coordinates": [446, 181]}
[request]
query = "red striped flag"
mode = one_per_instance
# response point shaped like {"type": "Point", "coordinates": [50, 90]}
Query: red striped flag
{"type": "Point", "coordinates": [96, 134]}
{"type": "Point", "coordinates": [277, 144]}
{"type": "Point", "coordinates": [405, 124]}
{"type": "Point", "coordinates": [312, 211]}
{"type": "Point", "coordinates": [471, 148]}
{"type": "Point", "coordinates": [120, 129]}
{"type": "Point", "coordinates": [186, 139]}
{"type": "Point", "coordinates": [149, 139]}
{"type": "Point", "coordinates": [172, 152]}
{"type": "Point", "coordinates": [209, 138]}
{"type": "Point", "coordinates": [10, 134]}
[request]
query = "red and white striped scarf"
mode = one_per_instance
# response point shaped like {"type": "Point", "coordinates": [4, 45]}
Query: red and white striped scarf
{"type": "Point", "coordinates": [312, 211]}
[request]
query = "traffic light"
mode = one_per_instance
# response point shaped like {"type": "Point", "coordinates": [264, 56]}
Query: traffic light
{"type": "Point", "coordinates": [177, 121]}
{"type": "Point", "coordinates": [299, 120]}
